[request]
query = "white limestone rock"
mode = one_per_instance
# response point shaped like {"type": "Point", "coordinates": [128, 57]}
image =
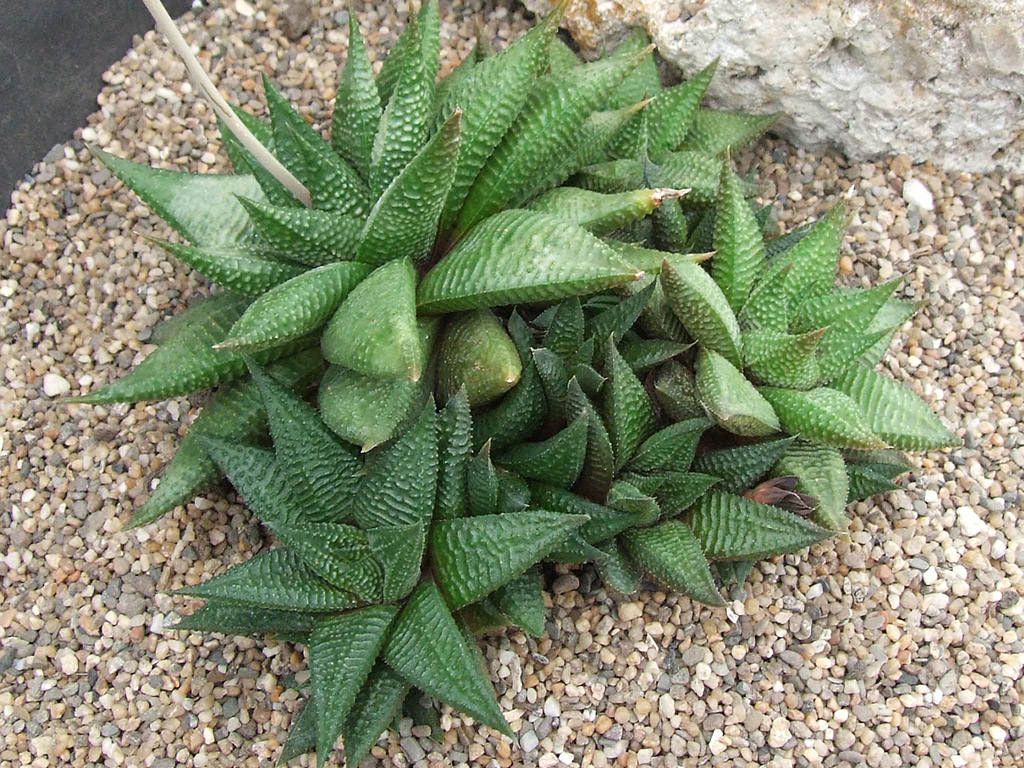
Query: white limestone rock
{"type": "Point", "coordinates": [939, 81]}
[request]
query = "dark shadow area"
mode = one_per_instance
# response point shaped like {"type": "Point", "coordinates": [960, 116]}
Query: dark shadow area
{"type": "Point", "coordinates": [52, 53]}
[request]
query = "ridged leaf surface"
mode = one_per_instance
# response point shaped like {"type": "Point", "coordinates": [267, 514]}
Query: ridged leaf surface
{"type": "Point", "coordinates": [307, 235]}
{"type": "Point", "coordinates": [741, 466]}
{"type": "Point", "coordinates": [473, 556]}
{"type": "Point", "coordinates": [702, 308]}
{"type": "Point", "coordinates": [202, 208]}
{"type": "Point", "coordinates": [671, 448]}
{"type": "Point", "coordinates": [481, 484]}
{"type": "Point", "coordinates": [557, 460]}
{"type": "Point", "coordinates": [401, 479]}
{"type": "Point", "coordinates": [822, 474]}
{"type": "Point", "coordinates": [274, 580]}
{"type": "Point", "coordinates": [454, 440]}
{"type": "Point", "coordinates": [399, 550]}
{"type": "Point", "coordinates": [357, 105]}
{"type": "Point", "coordinates": [893, 412]}
{"type": "Point", "coordinates": [739, 249]}
{"type": "Point", "coordinates": [823, 415]}
{"type": "Point", "coordinates": [235, 268]}
{"type": "Point", "coordinates": [365, 410]}
{"type": "Point", "coordinates": [378, 704]}
{"type": "Point", "coordinates": [673, 556]}
{"type": "Point", "coordinates": [231, 619]}
{"type": "Point", "coordinates": [715, 131]}
{"type": "Point", "coordinates": [342, 651]}
{"type": "Point", "coordinates": [521, 256]}
{"type": "Point", "coordinates": [522, 600]}
{"type": "Point", "coordinates": [427, 649]}
{"type": "Point", "coordinates": [732, 401]}
{"type": "Point", "coordinates": [626, 407]}
{"type": "Point", "coordinates": [294, 308]}
{"type": "Point", "coordinates": [735, 528]}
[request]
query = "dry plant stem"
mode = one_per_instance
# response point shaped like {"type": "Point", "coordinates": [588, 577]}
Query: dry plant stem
{"type": "Point", "coordinates": [165, 24]}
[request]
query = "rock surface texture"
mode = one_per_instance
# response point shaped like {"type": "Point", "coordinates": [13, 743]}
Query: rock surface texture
{"type": "Point", "coordinates": [939, 80]}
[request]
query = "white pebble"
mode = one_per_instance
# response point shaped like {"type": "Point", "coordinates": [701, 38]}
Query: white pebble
{"type": "Point", "coordinates": [630, 611]}
{"type": "Point", "coordinates": [918, 195]}
{"type": "Point", "coordinates": [244, 8]}
{"type": "Point", "coordinates": [717, 743]}
{"type": "Point", "coordinates": [529, 741]}
{"type": "Point", "coordinates": [67, 661]}
{"type": "Point", "coordinates": [970, 524]}
{"type": "Point", "coordinates": [779, 733]}
{"type": "Point", "coordinates": [55, 385]}
{"type": "Point", "coordinates": [666, 705]}
{"type": "Point", "coordinates": [552, 707]}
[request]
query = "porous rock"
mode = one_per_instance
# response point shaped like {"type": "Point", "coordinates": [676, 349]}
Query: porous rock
{"type": "Point", "coordinates": [940, 81]}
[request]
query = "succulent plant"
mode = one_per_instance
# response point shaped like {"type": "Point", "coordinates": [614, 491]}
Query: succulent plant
{"type": "Point", "coordinates": [561, 256]}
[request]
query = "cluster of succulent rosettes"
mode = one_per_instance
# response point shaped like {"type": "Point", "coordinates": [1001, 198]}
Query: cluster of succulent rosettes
{"type": "Point", "coordinates": [554, 332]}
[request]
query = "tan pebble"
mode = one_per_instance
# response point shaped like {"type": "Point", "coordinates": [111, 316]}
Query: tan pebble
{"type": "Point", "coordinates": [603, 724]}
{"type": "Point", "coordinates": [631, 611]}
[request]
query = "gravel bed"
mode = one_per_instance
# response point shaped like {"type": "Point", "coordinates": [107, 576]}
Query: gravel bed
{"type": "Point", "coordinates": [899, 645]}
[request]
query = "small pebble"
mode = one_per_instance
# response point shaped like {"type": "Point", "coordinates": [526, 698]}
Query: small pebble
{"type": "Point", "coordinates": [55, 385]}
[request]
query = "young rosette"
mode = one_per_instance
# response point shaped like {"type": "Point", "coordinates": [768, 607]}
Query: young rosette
{"type": "Point", "coordinates": [560, 256]}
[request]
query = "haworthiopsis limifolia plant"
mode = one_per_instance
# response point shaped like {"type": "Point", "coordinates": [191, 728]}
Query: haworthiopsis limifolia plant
{"type": "Point", "coordinates": [542, 323]}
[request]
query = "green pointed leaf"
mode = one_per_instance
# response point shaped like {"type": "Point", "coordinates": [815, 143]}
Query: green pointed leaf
{"type": "Point", "coordinates": [555, 378]}
{"type": "Point", "coordinates": [850, 309]}
{"type": "Point", "coordinates": [864, 483]}
{"type": "Point", "coordinates": [338, 553]}
{"type": "Point", "coordinates": [735, 528]}
{"type": "Point", "coordinates": [401, 480]}
{"type": "Point", "coordinates": [243, 163]}
{"type": "Point", "coordinates": [739, 249]}
{"type": "Point", "coordinates": [674, 110]}
{"type": "Point", "coordinates": [671, 448]}
{"type": "Point", "coordinates": [644, 80]}
{"type": "Point", "coordinates": [599, 212]}
{"type": "Point", "coordinates": [815, 258]}
{"type": "Point", "coordinates": [454, 439]}
{"type": "Point", "coordinates": [428, 650]}
{"type": "Point", "coordinates": [679, 490]}
{"type": "Point", "coordinates": [379, 702]}
{"type": "Point", "coordinates": [332, 184]}
{"type": "Point", "coordinates": [491, 98]}
{"type": "Point", "coordinates": [513, 493]}
{"type": "Point", "coordinates": [604, 521]}
{"type": "Point", "coordinates": [403, 126]}
{"type": "Point", "coordinates": [676, 390]}
{"type": "Point", "coordinates": [476, 353]}
{"type": "Point", "coordinates": [732, 401]}
{"type": "Point", "coordinates": [342, 651]}
{"type": "Point", "coordinates": [228, 619]}
{"type": "Point", "coordinates": [893, 412]}
{"type": "Point", "coordinates": [522, 600]}
{"type": "Point", "coordinates": [187, 362]}
{"type": "Point", "coordinates": [237, 269]}
{"type": "Point", "coordinates": [365, 410]}
{"type": "Point", "coordinates": [893, 314]}
{"type": "Point", "coordinates": [326, 471]}
{"type": "Point", "coordinates": [306, 235]}
{"type": "Point", "coordinates": [517, 416]}
{"type": "Point", "coordinates": [626, 407]}
{"type": "Point", "coordinates": [822, 474]}
{"type": "Point", "coordinates": [671, 227]}
{"type": "Point", "coordinates": [599, 466]}
{"type": "Point", "coordinates": [202, 208]}
{"type": "Point", "coordinates": [616, 321]}
{"type": "Point", "coordinates": [702, 308]}
{"type": "Point", "coordinates": [420, 38]}
{"type": "Point", "coordinates": [301, 734]}
{"type": "Point", "coordinates": [612, 176]}
{"type": "Point", "coordinates": [473, 556]}
{"type": "Point", "coordinates": [521, 256]}
{"type": "Point", "coordinates": [294, 308]}
{"type": "Point", "coordinates": [198, 313]}
{"type": "Point", "coordinates": [481, 484]}
{"type": "Point", "coordinates": [542, 137]}
{"type": "Point", "coordinates": [563, 58]}
{"type": "Point", "coordinates": [564, 335]}
{"type": "Point", "coordinates": [399, 550]}
{"type": "Point", "coordinates": [672, 555]}
{"type": "Point", "coordinates": [403, 222]}
{"type": "Point", "coordinates": [374, 329]}
{"type": "Point", "coordinates": [715, 131]}
{"type": "Point", "coordinates": [698, 172]}
{"type": "Point", "coordinates": [558, 460]}
{"type": "Point", "coordinates": [823, 415]}
{"type": "Point", "coordinates": [235, 413]}
{"type": "Point", "coordinates": [742, 466]}
{"type": "Point", "coordinates": [357, 105]}
{"type": "Point", "coordinates": [783, 359]}
{"type": "Point", "coordinates": [288, 126]}
{"type": "Point", "coordinates": [644, 354]}
{"type": "Point", "coordinates": [274, 580]}
{"type": "Point", "coordinates": [617, 570]}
